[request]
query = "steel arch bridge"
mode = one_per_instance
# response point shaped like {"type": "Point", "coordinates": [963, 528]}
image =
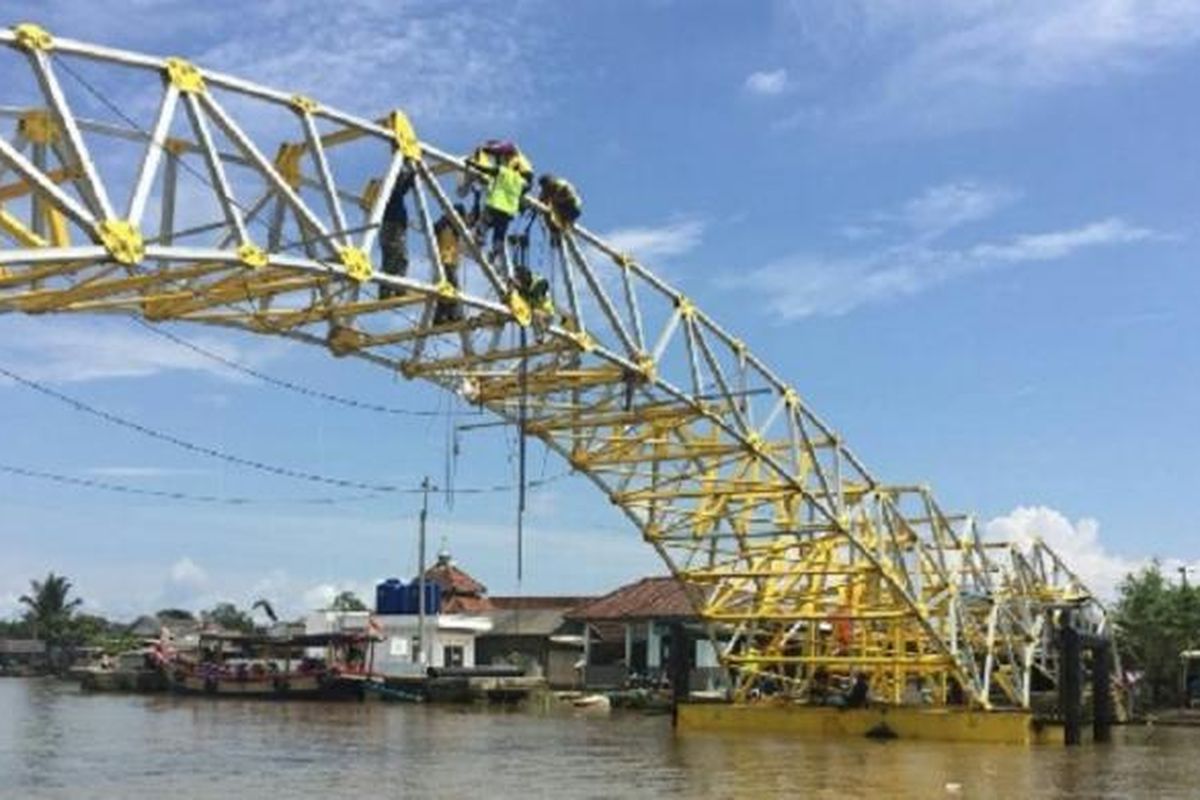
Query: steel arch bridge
{"type": "Point", "coordinates": [145, 186]}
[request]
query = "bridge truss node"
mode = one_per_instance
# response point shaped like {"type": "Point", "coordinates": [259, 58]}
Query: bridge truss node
{"type": "Point", "coordinates": [152, 187]}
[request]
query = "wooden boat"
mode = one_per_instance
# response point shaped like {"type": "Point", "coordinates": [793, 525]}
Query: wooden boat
{"type": "Point", "coordinates": [130, 671]}
{"type": "Point", "coordinates": [328, 666]}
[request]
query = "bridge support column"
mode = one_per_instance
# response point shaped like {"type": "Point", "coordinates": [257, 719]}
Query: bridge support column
{"type": "Point", "coordinates": [1070, 674]}
{"type": "Point", "coordinates": [1102, 699]}
{"type": "Point", "coordinates": [678, 667]}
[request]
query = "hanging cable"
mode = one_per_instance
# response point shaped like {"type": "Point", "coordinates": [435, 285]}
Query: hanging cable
{"type": "Point", "coordinates": [280, 382]}
{"type": "Point", "coordinates": [108, 486]}
{"type": "Point", "coordinates": [166, 494]}
{"type": "Point", "coordinates": [285, 472]}
{"type": "Point", "coordinates": [522, 421]}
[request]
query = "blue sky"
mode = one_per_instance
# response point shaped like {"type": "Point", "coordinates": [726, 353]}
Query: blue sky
{"type": "Point", "coordinates": [965, 231]}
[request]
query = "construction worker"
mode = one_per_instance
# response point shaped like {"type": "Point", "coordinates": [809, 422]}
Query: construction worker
{"type": "Point", "coordinates": [448, 241]}
{"type": "Point", "coordinates": [393, 234]}
{"type": "Point", "coordinates": [564, 202]}
{"type": "Point", "coordinates": [535, 291]}
{"type": "Point", "coordinates": [859, 695]}
{"type": "Point", "coordinates": [486, 158]}
{"type": "Point", "coordinates": [502, 204]}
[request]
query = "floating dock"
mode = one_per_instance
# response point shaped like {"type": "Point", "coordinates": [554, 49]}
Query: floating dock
{"type": "Point", "coordinates": [884, 722]}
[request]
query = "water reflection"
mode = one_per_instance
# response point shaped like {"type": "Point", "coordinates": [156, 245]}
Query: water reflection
{"type": "Point", "coordinates": [55, 742]}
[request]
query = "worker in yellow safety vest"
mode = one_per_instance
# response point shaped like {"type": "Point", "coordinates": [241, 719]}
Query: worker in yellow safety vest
{"type": "Point", "coordinates": [448, 240]}
{"type": "Point", "coordinates": [502, 203]}
{"type": "Point", "coordinates": [565, 203]}
{"type": "Point", "coordinates": [486, 158]}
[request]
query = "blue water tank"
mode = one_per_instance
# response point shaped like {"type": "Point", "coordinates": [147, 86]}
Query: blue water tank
{"type": "Point", "coordinates": [389, 597]}
{"type": "Point", "coordinates": [408, 599]}
{"type": "Point", "coordinates": [411, 603]}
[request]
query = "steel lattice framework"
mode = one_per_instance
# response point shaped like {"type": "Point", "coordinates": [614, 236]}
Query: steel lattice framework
{"type": "Point", "coordinates": [240, 206]}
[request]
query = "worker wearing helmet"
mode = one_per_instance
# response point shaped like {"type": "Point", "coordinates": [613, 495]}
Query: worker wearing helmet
{"type": "Point", "coordinates": [502, 203]}
{"type": "Point", "coordinates": [565, 203]}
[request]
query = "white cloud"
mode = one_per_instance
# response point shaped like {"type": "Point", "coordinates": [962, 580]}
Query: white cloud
{"type": "Point", "coordinates": [322, 595]}
{"type": "Point", "coordinates": [802, 285]}
{"type": "Point", "coordinates": [440, 61]}
{"type": "Point", "coordinates": [934, 211]}
{"type": "Point", "coordinates": [663, 241]}
{"type": "Point", "coordinates": [140, 472]}
{"type": "Point", "coordinates": [443, 62]}
{"type": "Point", "coordinates": [948, 205]}
{"type": "Point", "coordinates": [186, 585]}
{"type": "Point", "coordinates": [945, 65]}
{"type": "Point", "coordinates": [319, 596]}
{"type": "Point", "coordinates": [68, 351]}
{"type": "Point", "coordinates": [1057, 244]}
{"type": "Point", "coordinates": [1077, 543]}
{"type": "Point", "coordinates": [767, 83]}
{"type": "Point", "coordinates": [10, 606]}
{"type": "Point", "coordinates": [188, 573]}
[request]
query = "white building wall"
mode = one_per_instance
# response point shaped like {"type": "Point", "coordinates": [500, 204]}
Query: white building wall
{"type": "Point", "coordinates": [396, 655]}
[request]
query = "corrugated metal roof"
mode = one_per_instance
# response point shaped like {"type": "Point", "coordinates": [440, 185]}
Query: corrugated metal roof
{"type": "Point", "coordinates": [650, 598]}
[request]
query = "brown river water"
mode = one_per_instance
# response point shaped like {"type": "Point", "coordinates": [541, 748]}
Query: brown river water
{"type": "Point", "coordinates": [56, 742]}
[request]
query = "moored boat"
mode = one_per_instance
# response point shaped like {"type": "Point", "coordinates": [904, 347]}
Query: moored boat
{"type": "Point", "coordinates": [323, 666]}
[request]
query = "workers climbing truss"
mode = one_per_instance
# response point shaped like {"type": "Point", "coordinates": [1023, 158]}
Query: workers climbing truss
{"type": "Point", "coordinates": [156, 188]}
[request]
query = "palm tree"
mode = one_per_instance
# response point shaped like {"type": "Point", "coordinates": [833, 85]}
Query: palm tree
{"type": "Point", "coordinates": [49, 611]}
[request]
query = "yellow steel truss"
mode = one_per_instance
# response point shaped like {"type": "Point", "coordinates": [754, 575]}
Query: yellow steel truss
{"type": "Point", "coordinates": [803, 563]}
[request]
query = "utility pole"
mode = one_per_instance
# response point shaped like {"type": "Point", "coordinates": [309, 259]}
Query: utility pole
{"type": "Point", "coordinates": [422, 648]}
{"type": "Point", "coordinates": [1183, 573]}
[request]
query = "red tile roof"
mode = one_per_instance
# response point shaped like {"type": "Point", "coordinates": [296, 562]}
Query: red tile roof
{"type": "Point", "coordinates": [453, 580]}
{"type": "Point", "coordinates": [650, 598]}
{"type": "Point", "coordinates": [465, 604]}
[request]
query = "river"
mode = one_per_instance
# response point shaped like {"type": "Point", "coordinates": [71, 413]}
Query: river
{"type": "Point", "coordinates": [58, 743]}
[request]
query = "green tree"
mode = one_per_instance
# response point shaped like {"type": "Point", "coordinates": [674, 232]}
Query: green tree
{"type": "Point", "coordinates": [1156, 621]}
{"type": "Point", "coordinates": [347, 601]}
{"type": "Point", "coordinates": [230, 617]}
{"type": "Point", "coordinates": [89, 629]}
{"type": "Point", "coordinates": [49, 607]}
{"type": "Point", "coordinates": [14, 629]}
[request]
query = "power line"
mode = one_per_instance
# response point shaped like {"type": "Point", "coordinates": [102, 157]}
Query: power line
{"type": "Point", "coordinates": [119, 488]}
{"type": "Point", "coordinates": [286, 472]}
{"type": "Point", "coordinates": [281, 382]}
{"type": "Point", "coordinates": [91, 483]}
